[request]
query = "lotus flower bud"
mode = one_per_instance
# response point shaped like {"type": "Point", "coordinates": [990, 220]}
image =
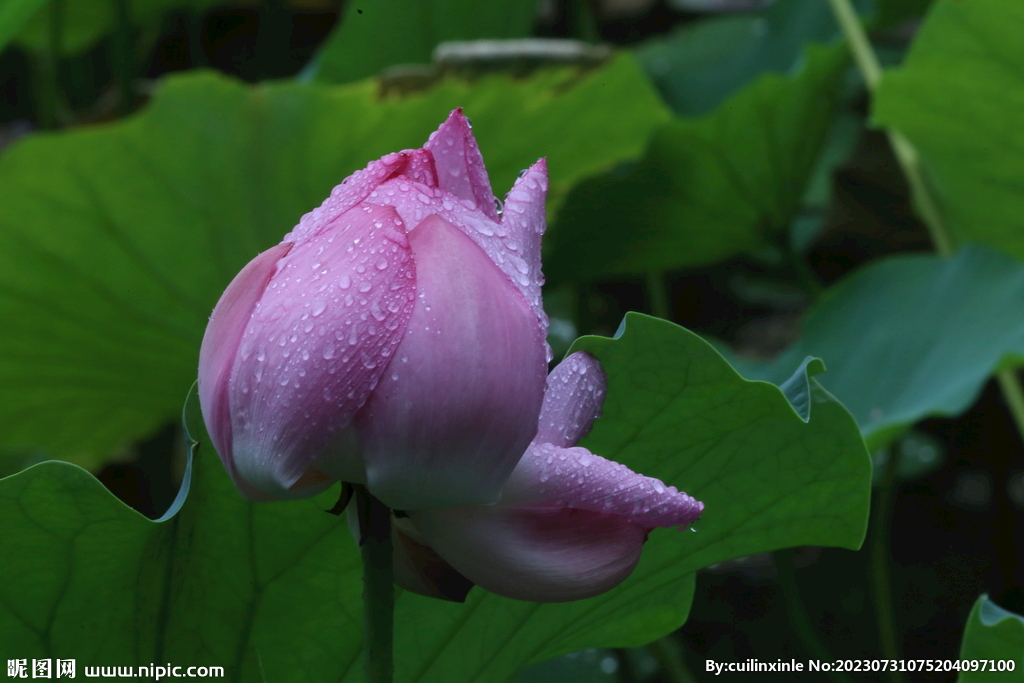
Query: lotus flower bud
{"type": "Point", "coordinates": [395, 338]}
{"type": "Point", "coordinates": [569, 525]}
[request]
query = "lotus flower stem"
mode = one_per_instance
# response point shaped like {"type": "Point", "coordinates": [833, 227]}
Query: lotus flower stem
{"type": "Point", "coordinates": [666, 651]}
{"type": "Point", "coordinates": [658, 298]}
{"type": "Point", "coordinates": [798, 613]}
{"type": "Point", "coordinates": [48, 69]}
{"type": "Point", "coordinates": [122, 54]}
{"type": "Point", "coordinates": [881, 581]}
{"type": "Point", "coordinates": [378, 586]}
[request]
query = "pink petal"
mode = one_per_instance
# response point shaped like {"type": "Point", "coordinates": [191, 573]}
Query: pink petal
{"type": "Point", "coordinates": [460, 166]}
{"type": "Point", "coordinates": [524, 222]}
{"type": "Point", "coordinates": [569, 525]}
{"type": "Point", "coordinates": [421, 167]}
{"type": "Point", "coordinates": [220, 344]}
{"type": "Point", "coordinates": [345, 196]}
{"type": "Point", "coordinates": [572, 400]}
{"type": "Point", "coordinates": [418, 567]}
{"type": "Point", "coordinates": [459, 404]}
{"type": "Point", "coordinates": [539, 554]}
{"type": "Point", "coordinates": [415, 201]}
{"type": "Point", "coordinates": [319, 341]}
{"type": "Point", "coordinates": [576, 478]}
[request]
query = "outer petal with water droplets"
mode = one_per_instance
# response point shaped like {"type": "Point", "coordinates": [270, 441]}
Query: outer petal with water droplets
{"type": "Point", "coordinates": [573, 397]}
{"type": "Point", "coordinates": [513, 244]}
{"type": "Point", "coordinates": [348, 194]}
{"type": "Point", "coordinates": [523, 222]}
{"type": "Point", "coordinates": [570, 525]}
{"type": "Point", "coordinates": [318, 342]}
{"type": "Point", "coordinates": [220, 345]}
{"type": "Point", "coordinates": [459, 404]}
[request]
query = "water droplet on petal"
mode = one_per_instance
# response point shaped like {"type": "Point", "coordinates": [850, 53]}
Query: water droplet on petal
{"type": "Point", "coordinates": [318, 308]}
{"type": "Point", "coordinates": [344, 282]}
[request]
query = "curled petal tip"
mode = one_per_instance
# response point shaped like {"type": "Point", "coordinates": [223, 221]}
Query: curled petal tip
{"type": "Point", "coordinates": [576, 478]}
{"type": "Point", "coordinates": [573, 396]}
{"type": "Point", "coordinates": [460, 166]}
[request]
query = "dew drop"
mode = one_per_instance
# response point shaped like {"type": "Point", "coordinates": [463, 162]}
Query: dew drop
{"type": "Point", "coordinates": [344, 282]}
{"type": "Point", "coordinates": [318, 308]}
{"type": "Point", "coordinates": [381, 264]}
{"type": "Point", "coordinates": [365, 286]}
{"type": "Point", "coordinates": [328, 352]}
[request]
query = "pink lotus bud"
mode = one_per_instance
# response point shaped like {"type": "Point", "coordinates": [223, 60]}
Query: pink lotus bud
{"type": "Point", "coordinates": [395, 338]}
{"type": "Point", "coordinates": [569, 525]}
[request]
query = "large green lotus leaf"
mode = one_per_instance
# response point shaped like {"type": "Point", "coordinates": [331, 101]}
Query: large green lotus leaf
{"type": "Point", "coordinates": [119, 239]}
{"type": "Point", "coordinates": [995, 635]}
{"type": "Point", "coordinates": [912, 337]}
{"type": "Point", "coordinates": [271, 591]}
{"type": "Point", "coordinates": [14, 14]}
{"type": "Point", "coordinates": [958, 97]}
{"type": "Point", "coordinates": [677, 411]}
{"type": "Point", "coordinates": [706, 188]}
{"type": "Point", "coordinates": [376, 34]}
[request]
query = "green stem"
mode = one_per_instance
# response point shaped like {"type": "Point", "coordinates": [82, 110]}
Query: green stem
{"type": "Point", "coordinates": [48, 84]}
{"type": "Point", "coordinates": [627, 672]}
{"type": "Point", "coordinates": [907, 156]}
{"type": "Point", "coordinates": [1009, 382]}
{"type": "Point", "coordinates": [122, 57]}
{"type": "Point", "coordinates": [378, 586]}
{"type": "Point", "coordinates": [881, 582]}
{"type": "Point", "coordinates": [666, 651]}
{"type": "Point", "coordinates": [657, 295]}
{"type": "Point", "coordinates": [924, 200]}
{"type": "Point", "coordinates": [582, 21]}
{"type": "Point", "coordinates": [798, 613]}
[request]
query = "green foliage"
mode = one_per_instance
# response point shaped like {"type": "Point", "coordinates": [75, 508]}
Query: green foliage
{"type": "Point", "coordinates": [993, 634]}
{"type": "Point", "coordinates": [958, 98]}
{"type": "Point", "coordinates": [119, 239]}
{"type": "Point", "coordinates": [707, 188]}
{"type": "Point", "coordinates": [701, 64]}
{"type": "Point", "coordinates": [912, 337]}
{"type": "Point", "coordinates": [14, 14]}
{"type": "Point", "coordinates": [86, 21]}
{"type": "Point", "coordinates": [271, 591]}
{"type": "Point", "coordinates": [376, 34]}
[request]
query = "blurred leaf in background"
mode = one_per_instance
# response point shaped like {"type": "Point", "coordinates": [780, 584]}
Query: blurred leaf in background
{"type": "Point", "coordinates": [120, 238]}
{"type": "Point", "coordinates": [84, 22]}
{"type": "Point", "coordinates": [708, 188]}
{"type": "Point", "coordinates": [702, 63]}
{"type": "Point", "coordinates": [375, 34]}
{"type": "Point", "coordinates": [911, 337]}
{"type": "Point", "coordinates": [958, 97]}
{"type": "Point", "coordinates": [272, 591]}
{"type": "Point", "coordinates": [995, 635]}
{"type": "Point", "coordinates": [14, 14]}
